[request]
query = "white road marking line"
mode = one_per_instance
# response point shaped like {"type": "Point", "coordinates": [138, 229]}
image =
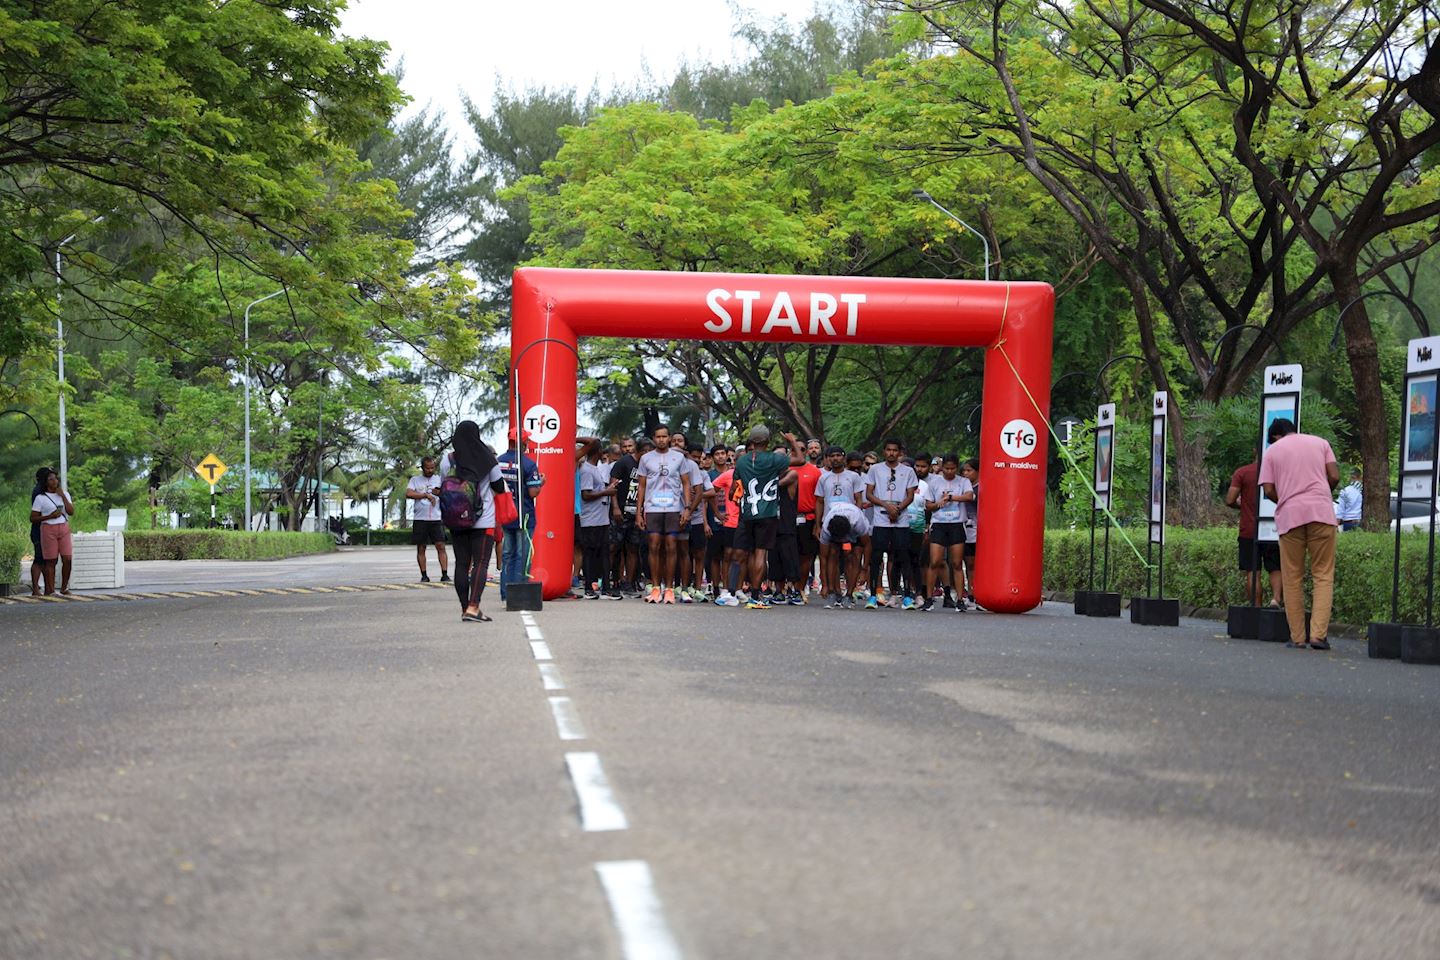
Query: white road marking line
{"type": "Point", "coordinates": [533, 633]}
{"type": "Point", "coordinates": [599, 809]}
{"type": "Point", "coordinates": [527, 620]}
{"type": "Point", "coordinates": [567, 719]}
{"type": "Point", "coordinates": [644, 934]}
{"type": "Point", "coordinates": [550, 675]}
{"type": "Point", "coordinates": [541, 649]}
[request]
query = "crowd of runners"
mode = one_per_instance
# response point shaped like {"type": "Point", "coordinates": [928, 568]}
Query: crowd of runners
{"type": "Point", "coordinates": [767, 523]}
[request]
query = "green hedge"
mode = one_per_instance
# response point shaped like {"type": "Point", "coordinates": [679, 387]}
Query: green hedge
{"type": "Point", "coordinates": [383, 538]}
{"type": "Point", "coordinates": [1200, 570]}
{"type": "Point", "coordinates": [222, 545]}
{"type": "Point", "coordinates": [12, 548]}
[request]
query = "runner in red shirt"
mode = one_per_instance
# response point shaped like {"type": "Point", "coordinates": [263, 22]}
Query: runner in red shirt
{"type": "Point", "coordinates": [805, 523]}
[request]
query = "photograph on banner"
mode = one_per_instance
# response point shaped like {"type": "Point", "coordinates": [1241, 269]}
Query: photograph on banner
{"type": "Point", "coordinates": [1157, 472]}
{"type": "Point", "coordinates": [1104, 458]}
{"type": "Point", "coordinates": [1419, 438]}
{"type": "Point", "coordinates": [1282, 407]}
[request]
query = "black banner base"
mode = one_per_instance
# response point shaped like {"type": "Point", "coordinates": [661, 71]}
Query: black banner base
{"type": "Point", "coordinates": [1419, 644]}
{"type": "Point", "coordinates": [1272, 626]}
{"type": "Point", "coordinates": [1082, 598]}
{"type": "Point", "coordinates": [1100, 604]}
{"type": "Point", "coordinates": [1382, 640]}
{"type": "Point", "coordinates": [1154, 612]}
{"type": "Point", "coordinates": [1243, 623]}
{"type": "Point", "coordinates": [524, 595]}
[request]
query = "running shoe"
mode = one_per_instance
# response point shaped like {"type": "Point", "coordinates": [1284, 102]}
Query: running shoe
{"type": "Point", "coordinates": [742, 596]}
{"type": "Point", "coordinates": [795, 599]}
{"type": "Point", "coordinates": [669, 595]}
{"type": "Point", "coordinates": [590, 595]}
{"type": "Point", "coordinates": [653, 596]}
{"type": "Point", "coordinates": [928, 605]}
{"type": "Point", "coordinates": [424, 578]}
{"type": "Point", "coordinates": [907, 604]}
{"type": "Point", "coordinates": [700, 596]}
{"type": "Point", "coordinates": [445, 578]}
{"type": "Point", "coordinates": [871, 603]}
{"type": "Point", "coordinates": [760, 603]}
{"type": "Point", "coordinates": [683, 596]}
{"type": "Point", "coordinates": [835, 603]}
{"type": "Point", "coordinates": [728, 599]}
{"type": "Point", "coordinates": [960, 606]}
{"type": "Point", "coordinates": [612, 595]}
{"type": "Point", "coordinates": [849, 602]}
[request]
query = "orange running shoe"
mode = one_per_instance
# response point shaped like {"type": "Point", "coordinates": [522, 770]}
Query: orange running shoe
{"type": "Point", "coordinates": [669, 595]}
{"type": "Point", "coordinates": [654, 596]}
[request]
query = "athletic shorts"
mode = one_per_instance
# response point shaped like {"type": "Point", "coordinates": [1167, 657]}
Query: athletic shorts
{"type": "Point", "coordinates": [1269, 554]}
{"type": "Point", "coordinates": [805, 536]}
{"type": "Point", "coordinates": [720, 540]}
{"type": "Point", "coordinates": [969, 548]}
{"type": "Point", "coordinates": [625, 533]}
{"type": "Point", "coordinates": [947, 534]}
{"type": "Point", "coordinates": [427, 531]}
{"type": "Point", "coordinates": [663, 523]}
{"type": "Point", "coordinates": [697, 537]}
{"type": "Point", "coordinates": [756, 533]}
{"type": "Point", "coordinates": [594, 538]}
{"type": "Point", "coordinates": [892, 540]}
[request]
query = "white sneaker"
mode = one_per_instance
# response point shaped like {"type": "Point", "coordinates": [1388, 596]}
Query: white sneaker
{"type": "Point", "coordinates": [727, 599]}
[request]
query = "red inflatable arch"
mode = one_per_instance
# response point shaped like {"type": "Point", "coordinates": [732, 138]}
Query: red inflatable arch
{"type": "Point", "coordinates": [552, 308]}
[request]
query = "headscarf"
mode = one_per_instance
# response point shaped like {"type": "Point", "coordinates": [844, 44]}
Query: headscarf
{"type": "Point", "coordinates": [472, 457]}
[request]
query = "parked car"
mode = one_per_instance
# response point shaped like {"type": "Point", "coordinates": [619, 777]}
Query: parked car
{"type": "Point", "coordinates": [1414, 515]}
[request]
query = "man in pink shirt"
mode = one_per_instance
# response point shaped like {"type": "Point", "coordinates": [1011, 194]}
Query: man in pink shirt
{"type": "Point", "coordinates": [1298, 473]}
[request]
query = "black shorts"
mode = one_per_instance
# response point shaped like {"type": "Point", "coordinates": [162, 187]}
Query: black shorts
{"type": "Point", "coordinates": [756, 534]}
{"type": "Point", "coordinates": [805, 538]}
{"type": "Point", "coordinates": [625, 533]}
{"type": "Point", "coordinates": [427, 531]}
{"type": "Point", "coordinates": [969, 548]}
{"type": "Point", "coordinates": [697, 537]}
{"type": "Point", "coordinates": [594, 538]}
{"type": "Point", "coordinates": [892, 540]}
{"type": "Point", "coordinates": [1269, 554]}
{"type": "Point", "coordinates": [947, 535]}
{"type": "Point", "coordinates": [720, 539]}
{"type": "Point", "coordinates": [666, 524]}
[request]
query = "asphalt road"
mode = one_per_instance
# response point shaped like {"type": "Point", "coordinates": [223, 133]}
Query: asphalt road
{"type": "Point", "coordinates": [363, 776]}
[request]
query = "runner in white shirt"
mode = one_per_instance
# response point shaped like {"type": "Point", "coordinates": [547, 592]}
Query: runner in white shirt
{"type": "Point", "coordinates": [664, 511]}
{"type": "Point", "coordinates": [845, 529]}
{"type": "Point", "coordinates": [692, 541]}
{"type": "Point", "coordinates": [948, 500]}
{"type": "Point", "coordinates": [890, 486]}
{"type": "Point", "coordinates": [423, 493]}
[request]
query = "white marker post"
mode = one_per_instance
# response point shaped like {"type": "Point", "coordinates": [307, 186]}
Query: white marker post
{"type": "Point", "coordinates": [1091, 602]}
{"type": "Point", "coordinates": [1153, 609]}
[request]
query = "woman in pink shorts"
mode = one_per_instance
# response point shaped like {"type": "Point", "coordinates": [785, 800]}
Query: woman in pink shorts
{"type": "Point", "coordinates": [51, 509]}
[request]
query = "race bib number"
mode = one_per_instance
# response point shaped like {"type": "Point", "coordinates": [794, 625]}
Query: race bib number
{"type": "Point", "coordinates": [663, 502]}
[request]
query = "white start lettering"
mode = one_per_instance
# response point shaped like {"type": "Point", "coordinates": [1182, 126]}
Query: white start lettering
{"type": "Point", "coordinates": [815, 317]}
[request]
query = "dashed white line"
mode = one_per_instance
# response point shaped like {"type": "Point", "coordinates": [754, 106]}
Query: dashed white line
{"type": "Point", "coordinates": [527, 619]}
{"type": "Point", "coordinates": [567, 720]}
{"type": "Point", "coordinates": [644, 934]}
{"type": "Point", "coordinates": [541, 649]}
{"type": "Point", "coordinates": [599, 810]}
{"type": "Point", "coordinates": [550, 676]}
{"type": "Point", "coordinates": [533, 633]}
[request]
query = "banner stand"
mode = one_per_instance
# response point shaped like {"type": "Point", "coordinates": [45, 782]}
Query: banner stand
{"type": "Point", "coordinates": [1419, 442]}
{"type": "Point", "coordinates": [1284, 384]}
{"type": "Point", "coordinates": [1091, 602]}
{"type": "Point", "coordinates": [1153, 610]}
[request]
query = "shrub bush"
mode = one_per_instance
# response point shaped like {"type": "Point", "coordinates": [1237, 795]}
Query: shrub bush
{"type": "Point", "coordinates": [384, 538]}
{"type": "Point", "coordinates": [222, 545]}
{"type": "Point", "coordinates": [1200, 569]}
{"type": "Point", "coordinates": [12, 548]}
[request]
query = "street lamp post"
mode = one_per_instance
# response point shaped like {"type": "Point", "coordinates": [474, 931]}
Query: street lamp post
{"type": "Point", "coordinates": [248, 523]}
{"type": "Point", "coordinates": [60, 357]}
{"type": "Point", "coordinates": [924, 195]}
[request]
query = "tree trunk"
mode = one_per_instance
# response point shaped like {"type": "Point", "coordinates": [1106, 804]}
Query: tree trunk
{"type": "Point", "coordinates": [1367, 414]}
{"type": "Point", "coordinates": [1189, 502]}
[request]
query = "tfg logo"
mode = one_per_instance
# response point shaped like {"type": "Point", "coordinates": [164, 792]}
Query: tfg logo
{"type": "Point", "coordinates": [1281, 379]}
{"type": "Point", "coordinates": [1423, 354]}
{"type": "Point", "coordinates": [1017, 439]}
{"type": "Point", "coordinates": [541, 423]}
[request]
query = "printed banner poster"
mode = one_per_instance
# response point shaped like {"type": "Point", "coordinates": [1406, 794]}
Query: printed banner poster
{"type": "Point", "coordinates": [1104, 454]}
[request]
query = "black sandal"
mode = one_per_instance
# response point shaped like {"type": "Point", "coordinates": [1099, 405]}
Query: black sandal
{"type": "Point", "coordinates": [1321, 644]}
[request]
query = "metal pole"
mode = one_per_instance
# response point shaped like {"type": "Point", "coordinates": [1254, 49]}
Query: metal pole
{"type": "Point", "coordinates": [60, 365]}
{"type": "Point", "coordinates": [924, 195]}
{"type": "Point", "coordinates": [1430, 556]}
{"type": "Point", "coordinates": [248, 524]}
{"type": "Point", "coordinates": [319, 450]}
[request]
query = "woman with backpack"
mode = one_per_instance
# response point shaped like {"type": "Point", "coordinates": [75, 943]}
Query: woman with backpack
{"type": "Point", "coordinates": [472, 478]}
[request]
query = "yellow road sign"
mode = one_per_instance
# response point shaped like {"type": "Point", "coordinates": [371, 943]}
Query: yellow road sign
{"type": "Point", "coordinates": [211, 469]}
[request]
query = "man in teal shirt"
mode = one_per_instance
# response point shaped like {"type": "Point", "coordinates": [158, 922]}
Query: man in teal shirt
{"type": "Point", "coordinates": [760, 474]}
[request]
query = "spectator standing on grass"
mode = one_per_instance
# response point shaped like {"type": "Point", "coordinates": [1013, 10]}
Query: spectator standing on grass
{"type": "Point", "coordinates": [426, 527]}
{"type": "Point", "coordinates": [52, 509]}
{"type": "Point", "coordinates": [1347, 507]}
{"type": "Point", "coordinates": [1298, 473]}
{"type": "Point", "coordinates": [1244, 495]}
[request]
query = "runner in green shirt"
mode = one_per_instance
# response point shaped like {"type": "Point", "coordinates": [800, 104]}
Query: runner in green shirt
{"type": "Point", "coordinates": [759, 474]}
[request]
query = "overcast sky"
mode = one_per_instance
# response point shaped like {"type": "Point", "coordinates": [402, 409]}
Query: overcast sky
{"type": "Point", "coordinates": [450, 46]}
